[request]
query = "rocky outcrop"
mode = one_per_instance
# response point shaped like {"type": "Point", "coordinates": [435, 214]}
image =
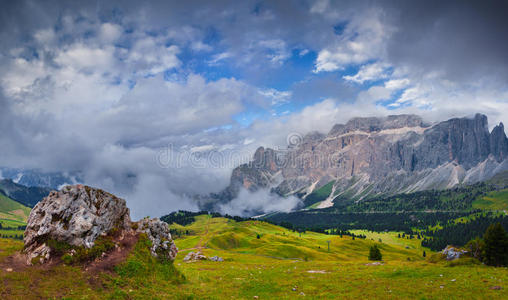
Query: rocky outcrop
{"type": "Point", "coordinates": [78, 215]}
{"type": "Point", "coordinates": [452, 253]}
{"type": "Point", "coordinates": [388, 155]}
{"type": "Point", "coordinates": [158, 233]}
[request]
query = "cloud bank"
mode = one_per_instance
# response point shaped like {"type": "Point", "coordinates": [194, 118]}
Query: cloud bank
{"type": "Point", "coordinates": [159, 101]}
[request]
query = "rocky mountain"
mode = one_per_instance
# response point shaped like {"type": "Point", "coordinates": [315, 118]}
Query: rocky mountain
{"type": "Point", "coordinates": [372, 156]}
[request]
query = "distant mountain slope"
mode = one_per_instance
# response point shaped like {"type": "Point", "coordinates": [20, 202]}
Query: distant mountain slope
{"type": "Point", "coordinates": [29, 177]}
{"type": "Point", "coordinates": [12, 211]}
{"type": "Point", "coordinates": [28, 196]}
{"type": "Point", "coordinates": [377, 156]}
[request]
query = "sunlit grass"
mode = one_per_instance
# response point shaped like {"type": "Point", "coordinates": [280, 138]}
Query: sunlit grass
{"type": "Point", "coordinates": [269, 267]}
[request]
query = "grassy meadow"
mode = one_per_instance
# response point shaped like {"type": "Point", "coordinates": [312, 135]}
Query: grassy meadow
{"type": "Point", "coordinates": [280, 264]}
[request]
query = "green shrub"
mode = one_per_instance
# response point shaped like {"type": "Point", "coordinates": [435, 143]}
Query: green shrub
{"type": "Point", "coordinates": [103, 244]}
{"type": "Point", "coordinates": [58, 248]}
{"type": "Point", "coordinates": [375, 253]}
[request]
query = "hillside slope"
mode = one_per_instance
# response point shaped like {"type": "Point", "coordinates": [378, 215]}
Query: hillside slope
{"type": "Point", "coordinates": [11, 210]}
{"type": "Point", "coordinates": [28, 196]}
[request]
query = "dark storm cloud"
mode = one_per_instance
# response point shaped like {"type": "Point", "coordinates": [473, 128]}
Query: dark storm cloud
{"type": "Point", "coordinates": [464, 39]}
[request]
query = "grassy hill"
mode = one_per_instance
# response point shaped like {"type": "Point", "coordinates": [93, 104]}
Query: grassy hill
{"type": "Point", "coordinates": [12, 211]}
{"type": "Point", "coordinates": [28, 196]}
{"type": "Point", "coordinates": [496, 200]}
{"type": "Point", "coordinates": [281, 264]}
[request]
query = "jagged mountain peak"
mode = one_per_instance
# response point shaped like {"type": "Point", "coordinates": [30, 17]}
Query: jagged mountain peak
{"type": "Point", "coordinates": [375, 157]}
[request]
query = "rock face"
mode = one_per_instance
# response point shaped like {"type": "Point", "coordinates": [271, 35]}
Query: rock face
{"type": "Point", "coordinates": [77, 215]}
{"type": "Point", "coordinates": [369, 156]}
{"type": "Point", "coordinates": [158, 232]}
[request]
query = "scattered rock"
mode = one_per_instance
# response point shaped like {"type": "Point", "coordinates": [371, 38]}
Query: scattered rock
{"type": "Point", "coordinates": [256, 297]}
{"type": "Point", "coordinates": [453, 280]}
{"type": "Point", "coordinates": [317, 271]}
{"type": "Point", "coordinates": [8, 269]}
{"type": "Point", "coordinates": [453, 253]}
{"type": "Point", "coordinates": [194, 256]}
{"type": "Point", "coordinates": [302, 294]}
{"type": "Point", "coordinates": [496, 287]}
{"type": "Point", "coordinates": [158, 232]}
{"type": "Point", "coordinates": [295, 288]}
{"type": "Point", "coordinates": [216, 258]}
{"type": "Point", "coordinates": [377, 263]}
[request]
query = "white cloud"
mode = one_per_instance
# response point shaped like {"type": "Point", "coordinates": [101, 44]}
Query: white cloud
{"type": "Point", "coordinates": [277, 97]}
{"type": "Point", "coordinates": [109, 33]}
{"type": "Point", "coordinates": [363, 39]}
{"type": "Point", "coordinates": [150, 56]}
{"type": "Point", "coordinates": [218, 58]}
{"type": "Point", "coordinates": [262, 201]}
{"type": "Point", "coordinates": [397, 84]}
{"type": "Point", "coordinates": [277, 50]}
{"type": "Point", "coordinates": [371, 72]}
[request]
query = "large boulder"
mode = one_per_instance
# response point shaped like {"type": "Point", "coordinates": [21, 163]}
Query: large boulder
{"type": "Point", "coordinates": [77, 215]}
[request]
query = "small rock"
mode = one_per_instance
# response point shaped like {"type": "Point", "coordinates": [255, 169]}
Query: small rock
{"type": "Point", "coordinates": [302, 294]}
{"type": "Point", "coordinates": [294, 288]}
{"type": "Point", "coordinates": [453, 279]}
{"type": "Point", "coordinates": [256, 297]}
{"type": "Point", "coordinates": [496, 287]}
{"type": "Point", "coordinates": [441, 286]}
{"type": "Point", "coordinates": [8, 269]}
{"type": "Point", "coordinates": [194, 256]}
{"type": "Point", "coordinates": [216, 258]}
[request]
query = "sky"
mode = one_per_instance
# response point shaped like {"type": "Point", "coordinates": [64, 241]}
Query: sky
{"type": "Point", "coordinates": [158, 101]}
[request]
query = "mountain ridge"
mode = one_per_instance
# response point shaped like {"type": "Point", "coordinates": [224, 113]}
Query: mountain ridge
{"type": "Point", "coordinates": [373, 156]}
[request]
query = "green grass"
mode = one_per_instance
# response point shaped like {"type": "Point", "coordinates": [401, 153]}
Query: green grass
{"type": "Point", "coordinates": [496, 200]}
{"type": "Point", "coordinates": [269, 267]}
{"type": "Point", "coordinates": [12, 210]}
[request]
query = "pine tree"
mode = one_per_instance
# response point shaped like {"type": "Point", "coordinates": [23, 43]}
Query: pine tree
{"type": "Point", "coordinates": [496, 245]}
{"type": "Point", "coordinates": [424, 254]}
{"type": "Point", "coordinates": [375, 253]}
